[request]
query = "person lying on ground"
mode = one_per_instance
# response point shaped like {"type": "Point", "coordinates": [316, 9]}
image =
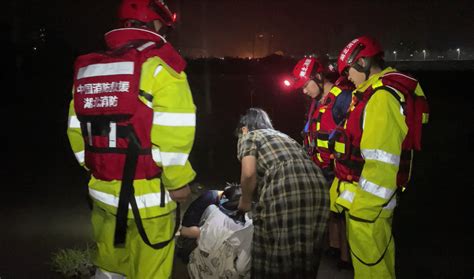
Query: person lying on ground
{"type": "Point", "coordinates": [189, 230]}
{"type": "Point", "coordinates": [224, 243]}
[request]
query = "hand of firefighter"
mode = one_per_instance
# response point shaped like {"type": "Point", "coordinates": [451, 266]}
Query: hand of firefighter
{"type": "Point", "coordinates": [180, 195]}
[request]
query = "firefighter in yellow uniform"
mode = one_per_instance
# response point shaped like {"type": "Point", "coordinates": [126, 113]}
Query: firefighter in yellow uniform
{"type": "Point", "coordinates": [164, 123]}
{"type": "Point", "coordinates": [370, 161]}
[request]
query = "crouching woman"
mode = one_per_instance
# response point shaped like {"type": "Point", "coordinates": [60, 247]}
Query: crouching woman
{"type": "Point", "coordinates": [291, 201]}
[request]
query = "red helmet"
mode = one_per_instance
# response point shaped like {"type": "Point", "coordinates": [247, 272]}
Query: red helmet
{"type": "Point", "coordinates": [361, 47]}
{"type": "Point", "coordinates": [304, 71]}
{"type": "Point", "coordinates": [146, 11]}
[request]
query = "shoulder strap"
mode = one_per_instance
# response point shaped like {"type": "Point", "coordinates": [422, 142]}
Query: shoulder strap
{"type": "Point", "coordinates": [392, 92]}
{"type": "Point", "coordinates": [168, 54]}
{"type": "Point", "coordinates": [398, 96]}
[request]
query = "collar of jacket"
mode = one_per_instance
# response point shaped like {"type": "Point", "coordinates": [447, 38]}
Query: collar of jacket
{"type": "Point", "coordinates": [119, 37]}
{"type": "Point", "coordinates": [372, 79]}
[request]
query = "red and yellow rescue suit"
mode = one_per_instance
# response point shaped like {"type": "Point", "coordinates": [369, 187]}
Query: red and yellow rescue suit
{"type": "Point", "coordinates": [373, 152]}
{"type": "Point", "coordinates": [131, 124]}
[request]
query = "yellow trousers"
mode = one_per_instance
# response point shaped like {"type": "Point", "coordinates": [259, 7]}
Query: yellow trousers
{"type": "Point", "coordinates": [135, 260]}
{"type": "Point", "coordinates": [368, 242]}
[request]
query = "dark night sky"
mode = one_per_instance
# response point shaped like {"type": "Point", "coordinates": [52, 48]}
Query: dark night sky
{"type": "Point", "coordinates": [227, 28]}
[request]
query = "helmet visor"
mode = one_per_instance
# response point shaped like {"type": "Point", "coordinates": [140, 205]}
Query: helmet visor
{"type": "Point", "coordinates": [352, 58]}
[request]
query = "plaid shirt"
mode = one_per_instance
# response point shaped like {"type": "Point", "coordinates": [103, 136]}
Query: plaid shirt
{"type": "Point", "coordinates": [292, 207]}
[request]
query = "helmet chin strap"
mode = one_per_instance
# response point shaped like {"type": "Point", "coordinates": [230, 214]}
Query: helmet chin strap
{"type": "Point", "coordinates": [319, 84]}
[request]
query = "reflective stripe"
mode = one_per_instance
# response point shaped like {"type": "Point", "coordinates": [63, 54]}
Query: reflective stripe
{"type": "Point", "coordinates": [375, 189]}
{"type": "Point", "coordinates": [144, 46]}
{"type": "Point", "coordinates": [380, 155]}
{"type": "Point", "coordinates": [106, 69]}
{"type": "Point", "coordinates": [174, 119]}
{"type": "Point", "coordinates": [399, 74]}
{"type": "Point", "coordinates": [149, 104]}
{"type": "Point", "coordinates": [347, 195]}
{"type": "Point", "coordinates": [89, 132]}
{"type": "Point", "coordinates": [147, 200]}
{"type": "Point", "coordinates": [391, 205]}
{"type": "Point", "coordinates": [340, 147]}
{"type": "Point", "coordinates": [156, 154]}
{"type": "Point", "coordinates": [80, 157]}
{"type": "Point", "coordinates": [318, 155]}
{"type": "Point", "coordinates": [335, 90]}
{"type": "Point", "coordinates": [169, 158]}
{"type": "Point", "coordinates": [157, 70]}
{"type": "Point", "coordinates": [73, 122]}
{"type": "Point", "coordinates": [363, 119]}
{"type": "Point", "coordinates": [113, 135]}
{"type": "Point", "coordinates": [425, 118]}
{"type": "Point", "coordinates": [323, 143]}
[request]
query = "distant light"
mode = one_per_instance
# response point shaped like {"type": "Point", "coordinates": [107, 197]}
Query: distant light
{"type": "Point", "coordinates": [424, 51]}
{"type": "Point", "coordinates": [287, 83]}
{"type": "Point", "coordinates": [174, 17]}
{"type": "Point", "coordinates": [394, 52]}
{"type": "Point", "coordinates": [34, 48]}
{"type": "Point", "coordinates": [458, 49]}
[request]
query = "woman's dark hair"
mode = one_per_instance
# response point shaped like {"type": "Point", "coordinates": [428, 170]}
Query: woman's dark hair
{"type": "Point", "coordinates": [232, 193]}
{"type": "Point", "coordinates": [254, 119]}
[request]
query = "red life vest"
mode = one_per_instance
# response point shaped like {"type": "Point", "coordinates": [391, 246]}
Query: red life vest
{"type": "Point", "coordinates": [106, 101]}
{"type": "Point", "coordinates": [321, 124]}
{"type": "Point", "coordinates": [350, 162]}
{"type": "Point", "coordinates": [115, 123]}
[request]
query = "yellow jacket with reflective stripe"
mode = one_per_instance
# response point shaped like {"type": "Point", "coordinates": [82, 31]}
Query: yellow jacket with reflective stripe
{"type": "Point", "coordinates": [172, 137]}
{"type": "Point", "coordinates": [383, 132]}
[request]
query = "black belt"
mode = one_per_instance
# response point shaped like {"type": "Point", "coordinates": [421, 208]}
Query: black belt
{"type": "Point", "coordinates": [143, 151]}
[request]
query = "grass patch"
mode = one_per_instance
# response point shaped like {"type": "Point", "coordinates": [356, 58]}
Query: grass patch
{"type": "Point", "coordinates": [74, 263]}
